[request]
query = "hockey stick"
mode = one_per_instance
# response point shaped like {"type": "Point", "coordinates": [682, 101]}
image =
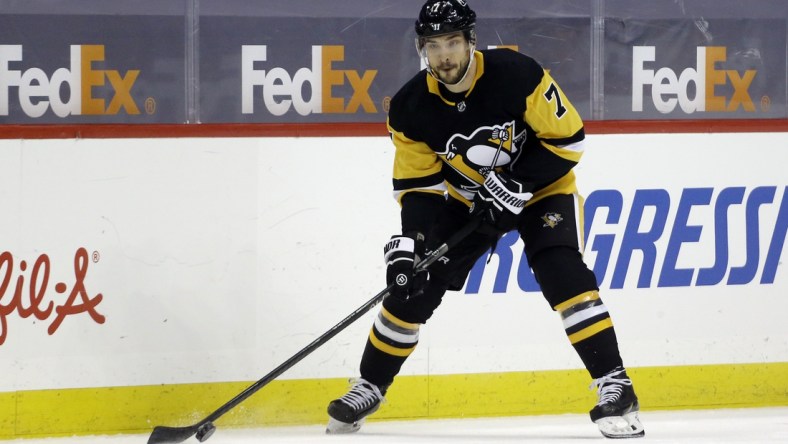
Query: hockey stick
{"type": "Point", "coordinates": [205, 428]}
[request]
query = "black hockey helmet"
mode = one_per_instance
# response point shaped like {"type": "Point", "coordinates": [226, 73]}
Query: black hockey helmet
{"type": "Point", "coordinates": [439, 17]}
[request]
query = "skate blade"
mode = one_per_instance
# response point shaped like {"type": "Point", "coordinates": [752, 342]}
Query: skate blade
{"type": "Point", "coordinates": [336, 427]}
{"type": "Point", "coordinates": [627, 426]}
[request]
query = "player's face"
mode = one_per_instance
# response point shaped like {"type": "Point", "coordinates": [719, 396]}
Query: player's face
{"type": "Point", "coordinates": [448, 56]}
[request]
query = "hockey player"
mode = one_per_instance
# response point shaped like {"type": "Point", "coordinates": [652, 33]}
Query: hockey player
{"type": "Point", "coordinates": [485, 134]}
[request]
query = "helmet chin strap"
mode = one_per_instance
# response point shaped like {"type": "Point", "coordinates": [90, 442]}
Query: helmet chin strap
{"type": "Point", "coordinates": [471, 49]}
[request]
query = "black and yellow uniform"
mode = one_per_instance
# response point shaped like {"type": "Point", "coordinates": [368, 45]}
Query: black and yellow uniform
{"type": "Point", "coordinates": [447, 142]}
{"type": "Point", "coordinates": [514, 118]}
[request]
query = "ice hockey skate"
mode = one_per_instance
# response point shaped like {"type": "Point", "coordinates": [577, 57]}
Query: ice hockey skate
{"type": "Point", "coordinates": [347, 414]}
{"type": "Point", "coordinates": [616, 412]}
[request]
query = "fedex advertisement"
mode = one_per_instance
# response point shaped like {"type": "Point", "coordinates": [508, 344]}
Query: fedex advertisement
{"type": "Point", "coordinates": [694, 68]}
{"type": "Point", "coordinates": [80, 68]}
{"type": "Point", "coordinates": [37, 92]}
{"type": "Point", "coordinates": [707, 86]}
{"type": "Point", "coordinates": [280, 90]}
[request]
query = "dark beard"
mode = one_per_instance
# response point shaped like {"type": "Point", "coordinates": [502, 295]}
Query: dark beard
{"type": "Point", "coordinates": [460, 73]}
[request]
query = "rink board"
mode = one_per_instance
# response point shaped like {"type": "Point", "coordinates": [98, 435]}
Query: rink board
{"type": "Point", "coordinates": [295, 402]}
{"type": "Point", "coordinates": [144, 274]}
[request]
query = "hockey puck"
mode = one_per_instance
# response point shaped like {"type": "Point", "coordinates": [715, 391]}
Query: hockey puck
{"type": "Point", "coordinates": [205, 431]}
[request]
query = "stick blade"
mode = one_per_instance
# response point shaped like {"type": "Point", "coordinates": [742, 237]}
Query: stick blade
{"type": "Point", "coordinates": [171, 435]}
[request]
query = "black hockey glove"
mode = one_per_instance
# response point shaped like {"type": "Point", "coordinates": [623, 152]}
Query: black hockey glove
{"type": "Point", "coordinates": [500, 200]}
{"type": "Point", "coordinates": [402, 253]}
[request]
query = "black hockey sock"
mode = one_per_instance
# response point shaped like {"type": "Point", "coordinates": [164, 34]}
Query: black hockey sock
{"type": "Point", "coordinates": [389, 344]}
{"type": "Point", "coordinates": [380, 368]}
{"type": "Point", "coordinates": [600, 353]}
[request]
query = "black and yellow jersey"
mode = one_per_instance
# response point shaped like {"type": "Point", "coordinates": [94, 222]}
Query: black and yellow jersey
{"type": "Point", "coordinates": [514, 114]}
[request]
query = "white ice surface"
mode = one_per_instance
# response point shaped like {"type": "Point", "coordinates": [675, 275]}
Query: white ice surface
{"type": "Point", "coordinates": [751, 426]}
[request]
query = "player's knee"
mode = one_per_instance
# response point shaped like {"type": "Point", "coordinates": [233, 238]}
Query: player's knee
{"type": "Point", "coordinates": [562, 274]}
{"type": "Point", "coordinates": [418, 309]}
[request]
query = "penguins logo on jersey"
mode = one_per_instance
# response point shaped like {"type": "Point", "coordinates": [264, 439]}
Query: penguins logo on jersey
{"type": "Point", "coordinates": [473, 156]}
{"type": "Point", "coordinates": [552, 219]}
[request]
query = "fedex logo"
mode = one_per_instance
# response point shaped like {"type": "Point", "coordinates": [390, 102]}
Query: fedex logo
{"type": "Point", "coordinates": [37, 92]}
{"type": "Point", "coordinates": [281, 90]}
{"type": "Point", "coordinates": [638, 231]}
{"type": "Point", "coordinates": [669, 89]}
